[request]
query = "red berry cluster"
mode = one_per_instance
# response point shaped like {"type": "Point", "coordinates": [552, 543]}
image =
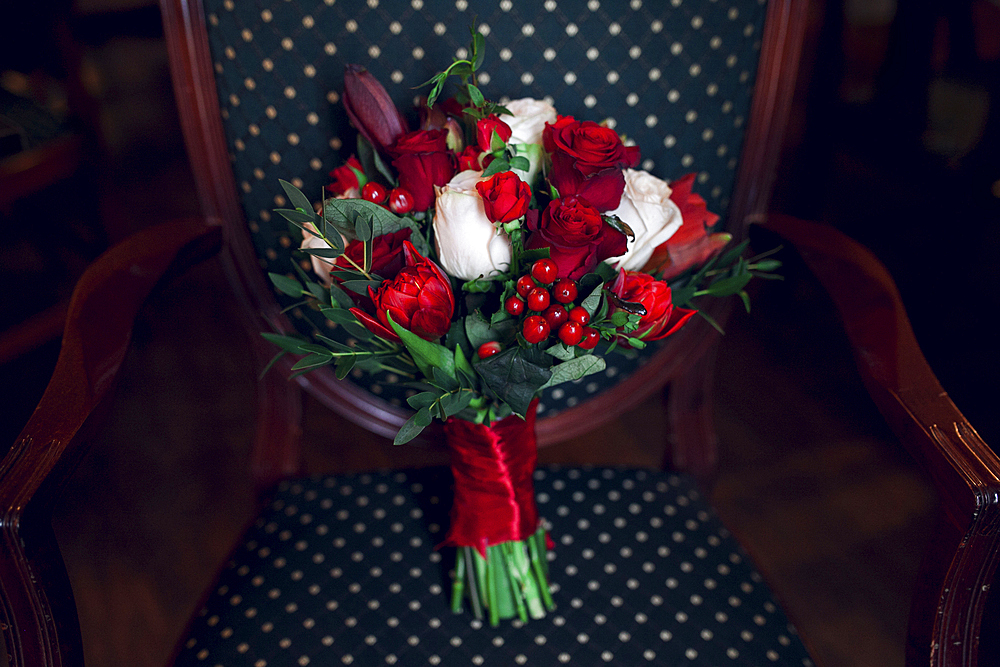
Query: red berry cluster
{"type": "Point", "coordinates": [550, 303]}
{"type": "Point", "coordinates": [398, 200]}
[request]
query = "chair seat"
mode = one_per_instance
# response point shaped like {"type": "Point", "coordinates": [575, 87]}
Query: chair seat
{"type": "Point", "coordinates": [344, 570]}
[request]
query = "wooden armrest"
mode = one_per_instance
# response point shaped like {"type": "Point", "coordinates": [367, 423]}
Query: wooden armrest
{"type": "Point", "coordinates": [96, 337]}
{"type": "Point", "coordinates": [966, 472]}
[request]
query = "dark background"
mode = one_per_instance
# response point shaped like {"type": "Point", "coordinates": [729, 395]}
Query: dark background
{"type": "Point", "coordinates": [893, 139]}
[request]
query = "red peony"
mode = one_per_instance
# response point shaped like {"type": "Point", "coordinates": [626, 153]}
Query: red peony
{"type": "Point", "coordinates": [347, 178]}
{"type": "Point", "coordinates": [662, 318]}
{"type": "Point", "coordinates": [486, 127]}
{"type": "Point", "coordinates": [691, 245]}
{"type": "Point", "coordinates": [423, 160]}
{"type": "Point", "coordinates": [505, 196]}
{"type": "Point", "coordinates": [576, 235]}
{"type": "Point", "coordinates": [587, 160]}
{"type": "Point", "coordinates": [418, 298]}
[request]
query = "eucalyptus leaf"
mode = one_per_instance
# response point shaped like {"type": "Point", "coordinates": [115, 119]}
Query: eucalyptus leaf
{"type": "Point", "coordinates": [286, 285]}
{"type": "Point", "coordinates": [360, 286]}
{"type": "Point", "coordinates": [312, 361]}
{"type": "Point", "coordinates": [424, 399]}
{"type": "Point", "coordinates": [443, 380]}
{"type": "Point", "coordinates": [288, 343]}
{"type": "Point", "coordinates": [412, 427]}
{"type": "Point", "coordinates": [324, 253]}
{"type": "Point", "coordinates": [344, 365]}
{"type": "Point", "coordinates": [574, 369]}
{"type": "Point", "coordinates": [295, 196]}
{"type": "Point", "coordinates": [346, 319]}
{"type": "Point", "coordinates": [452, 404]}
{"type": "Point", "coordinates": [297, 217]}
{"type": "Point", "coordinates": [339, 297]}
{"type": "Point", "coordinates": [728, 286]}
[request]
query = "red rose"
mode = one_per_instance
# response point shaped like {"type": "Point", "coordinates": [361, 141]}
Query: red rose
{"type": "Point", "coordinates": [587, 160]}
{"type": "Point", "coordinates": [347, 178]}
{"type": "Point", "coordinates": [576, 235]}
{"type": "Point", "coordinates": [662, 318]}
{"type": "Point", "coordinates": [485, 129]}
{"type": "Point", "coordinates": [370, 108]}
{"type": "Point", "coordinates": [419, 298]}
{"type": "Point", "coordinates": [691, 245]}
{"type": "Point", "coordinates": [505, 196]}
{"type": "Point", "coordinates": [468, 159]}
{"type": "Point", "coordinates": [423, 161]}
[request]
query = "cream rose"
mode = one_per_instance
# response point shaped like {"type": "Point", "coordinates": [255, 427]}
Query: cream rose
{"type": "Point", "coordinates": [646, 207]}
{"type": "Point", "coordinates": [527, 121]}
{"type": "Point", "coordinates": [468, 244]}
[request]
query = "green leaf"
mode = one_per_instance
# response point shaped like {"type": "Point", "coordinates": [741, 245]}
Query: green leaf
{"type": "Point", "coordinates": [412, 427]}
{"type": "Point", "coordinates": [339, 297]}
{"type": "Point", "coordinates": [311, 361]}
{"type": "Point", "coordinates": [295, 216]}
{"type": "Point", "coordinates": [286, 285]}
{"type": "Point", "coordinates": [295, 196]}
{"type": "Point", "coordinates": [452, 404]}
{"type": "Point", "coordinates": [574, 369]}
{"type": "Point", "coordinates": [520, 163]}
{"type": "Point", "coordinates": [324, 253]}
{"type": "Point", "coordinates": [343, 214]}
{"type": "Point", "coordinates": [477, 328]}
{"type": "Point", "coordinates": [344, 365]}
{"type": "Point", "coordinates": [498, 165]}
{"type": "Point", "coordinates": [361, 286]}
{"type": "Point", "coordinates": [682, 296]}
{"type": "Point", "coordinates": [424, 399]}
{"type": "Point", "coordinates": [461, 363]}
{"type": "Point", "coordinates": [513, 378]}
{"type": "Point", "coordinates": [478, 48]}
{"type": "Point", "coordinates": [730, 255]}
{"type": "Point", "coordinates": [767, 265]}
{"type": "Point", "coordinates": [318, 291]}
{"type": "Point", "coordinates": [728, 286]}
{"type": "Point", "coordinates": [363, 228]}
{"type": "Point", "coordinates": [346, 319]}
{"type": "Point", "coordinates": [593, 300]}
{"type": "Point", "coordinates": [288, 343]}
{"type": "Point", "coordinates": [561, 351]}
{"type": "Point", "coordinates": [426, 354]}
{"type": "Point", "coordinates": [444, 381]}
{"type": "Point", "coordinates": [476, 96]}
{"type": "Point", "coordinates": [617, 224]}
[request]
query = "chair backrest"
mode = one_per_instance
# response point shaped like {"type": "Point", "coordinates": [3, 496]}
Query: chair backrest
{"type": "Point", "coordinates": [700, 86]}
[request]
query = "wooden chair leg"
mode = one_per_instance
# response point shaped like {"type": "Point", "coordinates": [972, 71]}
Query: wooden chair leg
{"type": "Point", "coordinates": [693, 444]}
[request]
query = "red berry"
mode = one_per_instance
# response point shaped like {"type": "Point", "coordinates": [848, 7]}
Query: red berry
{"type": "Point", "coordinates": [374, 192]}
{"type": "Point", "coordinates": [555, 315]}
{"type": "Point", "coordinates": [488, 349]}
{"type": "Point", "coordinates": [544, 271]}
{"type": "Point", "coordinates": [535, 329]}
{"type": "Point", "coordinates": [538, 299]}
{"type": "Point", "coordinates": [590, 338]}
{"type": "Point", "coordinates": [571, 333]}
{"type": "Point", "coordinates": [400, 200]}
{"type": "Point", "coordinates": [579, 314]}
{"type": "Point", "coordinates": [524, 285]}
{"type": "Point", "coordinates": [564, 290]}
{"type": "Point", "coordinates": [513, 305]}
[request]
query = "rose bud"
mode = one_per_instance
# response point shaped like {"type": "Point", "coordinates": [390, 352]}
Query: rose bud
{"type": "Point", "coordinates": [370, 109]}
{"type": "Point", "coordinates": [423, 161]}
{"type": "Point", "coordinates": [468, 243]}
{"type": "Point", "coordinates": [505, 196]}
{"type": "Point", "coordinates": [647, 209]}
{"type": "Point", "coordinates": [348, 179]}
{"type": "Point", "coordinates": [492, 133]}
{"type": "Point", "coordinates": [662, 318]}
{"type": "Point", "coordinates": [418, 299]}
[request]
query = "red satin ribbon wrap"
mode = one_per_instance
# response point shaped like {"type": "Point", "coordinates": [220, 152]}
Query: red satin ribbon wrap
{"type": "Point", "coordinates": [494, 492]}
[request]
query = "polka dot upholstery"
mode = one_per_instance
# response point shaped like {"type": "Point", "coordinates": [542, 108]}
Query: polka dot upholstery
{"type": "Point", "coordinates": [675, 76]}
{"type": "Point", "coordinates": [344, 570]}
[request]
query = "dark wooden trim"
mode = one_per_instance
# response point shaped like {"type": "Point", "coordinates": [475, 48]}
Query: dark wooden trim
{"type": "Point", "coordinates": [948, 608]}
{"type": "Point", "coordinates": [36, 597]}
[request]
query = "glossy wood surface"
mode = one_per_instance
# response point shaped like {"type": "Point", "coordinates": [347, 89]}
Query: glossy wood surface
{"type": "Point", "coordinates": [38, 613]}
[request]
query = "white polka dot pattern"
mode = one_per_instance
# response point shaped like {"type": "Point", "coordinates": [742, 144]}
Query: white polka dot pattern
{"type": "Point", "coordinates": [345, 571]}
{"type": "Point", "coordinates": [675, 77]}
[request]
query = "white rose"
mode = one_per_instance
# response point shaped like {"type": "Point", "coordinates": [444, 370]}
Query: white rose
{"type": "Point", "coordinates": [468, 244]}
{"type": "Point", "coordinates": [646, 207]}
{"type": "Point", "coordinates": [320, 266]}
{"type": "Point", "coordinates": [527, 121]}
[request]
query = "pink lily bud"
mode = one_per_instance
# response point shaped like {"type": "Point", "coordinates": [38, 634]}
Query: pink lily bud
{"type": "Point", "coordinates": [370, 108]}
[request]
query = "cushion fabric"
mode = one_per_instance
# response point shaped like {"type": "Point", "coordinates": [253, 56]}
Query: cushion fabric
{"type": "Point", "coordinates": [674, 76]}
{"type": "Point", "coordinates": [344, 570]}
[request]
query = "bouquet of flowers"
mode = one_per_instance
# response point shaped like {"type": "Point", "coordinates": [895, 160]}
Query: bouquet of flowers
{"type": "Point", "coordinates": [493, 252]}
